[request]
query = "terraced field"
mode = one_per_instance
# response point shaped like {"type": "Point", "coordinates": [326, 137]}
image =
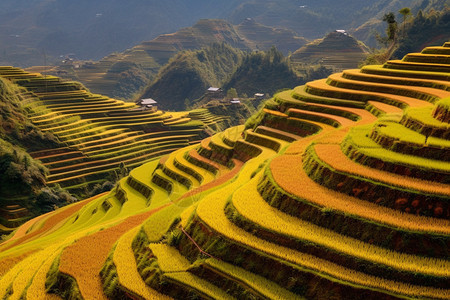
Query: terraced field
{"type": "Point", "coordinates": [99, 133]}
{"type": "Point", "coordinates": [338, 189]}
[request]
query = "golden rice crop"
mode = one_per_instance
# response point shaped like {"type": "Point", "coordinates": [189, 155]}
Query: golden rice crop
{"type": "Point", "coordinates": [193, 282]}
{"type": "Point", "coordinates": [36, 290]}
{"type": "Point", "coordinates": [84, 259]}
{"type": "Point", "coordinates": [126, 267]}
{"type": "Point", "coordinates": [211, 212]}
{"type": "Point", "coordinates": [169, 258]}
{"type": "Point", "coordinates": [322, 87]}
{"type": "Point", "coordinates": [50, 223]}
{"type": "Point", "coordinates": [287, 173]}
{"type": "Point", "coordinates": [250, 205]}
{"type": "Point", "coordinates": [332, 155]}
{"type": "Point", "coordinates": [260, 284]}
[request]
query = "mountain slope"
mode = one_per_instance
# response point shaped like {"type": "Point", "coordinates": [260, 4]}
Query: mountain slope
{"type": "Point", "coordinates": [337, 189]}
{"type": "Point", "coordinates": [39, 31]}
{"type": "Point", "coordinates": [83, 141]}
{"type": "Point", "coordinates": [337, 50]}
{"type": "Point", "coordinates": [262, 72]}
{"type": "Point", "coordinates": [123, 75]}
{"type": "Point", "coordinates": [190, 73]}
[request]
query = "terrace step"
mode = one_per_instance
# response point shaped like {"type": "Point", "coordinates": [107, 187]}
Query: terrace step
{"type": "Point", "coordinates": [418, 92]}
{"type": "Point", "coordinates": [302, 93]}
{"type": "Point", "coordinates": [176, 174]}
{"type": "Point", "coordinates": [179, 282]}
{"type": "Point", "coordinates": [320, 87]}
{"type": "Point", "coordinates": [421, 120]}
{"type": "Point", "coordinates": [396, 137]}
{"type": "Point", "coordinates": [220, 273]}
{"type": "Point", "coordinates": [195, 158]}
{"type": "Point", "coordinates": [361, 148]}
{"type": "Point", "coordinates": [281, 121]}
{"type": "Point", "coordinates": [403, 193]}
{"type": "Point", "coordinates": [231, 135]}
{"type": "Point", "coordinates": [129, 279]}
{"type": "Point", "coordinates": [252, 213]}
{"type": "Point", "coordinates": [245, 151]}
{"type": "Point", "coordinates": [286, 101]}
{"type": "Point", "coordinates": [180, 162]}
{"type": "Point", "coordinates": [326, 118]}
{"type": "Point", "coordinates": [367, 74]}
{"type": "Point", "coordinates": [427, 58]}
{"type": "Point", "coordinates": [263, 140]}
{"type": "Point", "coordinates": [417, 66]}
{"type": "Point", "coordinates": [275, 133]}
{"type": "Point", "coordinates": [174, 189]}
{"type": "Point", "coordinates": [436, 50]}
{"type": "Point", "coordinates": [379, 108]}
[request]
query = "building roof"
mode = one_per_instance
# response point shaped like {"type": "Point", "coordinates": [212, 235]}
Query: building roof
{"type": "Point", "coordinates": [147, 101]}
{"type": "Point", "coordinates": [259, 95]}
{"type": "Point", "coordinates": [341, 31]}
{"type": "Point", "coordinates": [213, 89]}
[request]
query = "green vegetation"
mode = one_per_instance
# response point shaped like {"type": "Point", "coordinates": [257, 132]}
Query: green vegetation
{"type": "Point", "coordinates": [424, 28]}
{"type": "Point", "coordinates": [264, 72]}
{"type": "Point", "coordinates": [192, 73]}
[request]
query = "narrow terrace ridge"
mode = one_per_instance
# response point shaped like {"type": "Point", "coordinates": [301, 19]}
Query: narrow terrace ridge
{"type": "Point", "coordinates": [322, 88]}
{"type": "Point", "coordinates": [419, 92]}
{"type": "Point", "coordinates": [340, 162]}
{"type": "Point", "coordinates": [359, 74]}
{"type": "Point", "coordinates": [286, 177]}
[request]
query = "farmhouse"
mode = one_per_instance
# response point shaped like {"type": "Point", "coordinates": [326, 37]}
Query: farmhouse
{"type": "Point", "coordinates": [147, 103]}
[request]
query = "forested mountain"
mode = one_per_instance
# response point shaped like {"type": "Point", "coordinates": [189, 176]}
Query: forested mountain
{"type": "Point", "coordinates": [365, 31]}
{"type": "Point", "coordinates": [264, 72]}
{"type": "Point", "coordinates": [123, 75]}
{"type": "Point", "coordinates": [37, 32]}
{"type": "Point", "coordinates": [190, 73]}
{"type": "Point", "coordinates": [424, 29]}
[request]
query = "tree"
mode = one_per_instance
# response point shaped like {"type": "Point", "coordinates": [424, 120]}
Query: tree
{"type": "Point", "coordinates": [391, 30]}
{"type": "Point", "coordinates": [187, 104]}
{"type": "Point", "coordinates": [123, 170]}
{"type": "Point", "coordinates": [232, 93]}
{"type": "Point", "coordinates": [405, 12]}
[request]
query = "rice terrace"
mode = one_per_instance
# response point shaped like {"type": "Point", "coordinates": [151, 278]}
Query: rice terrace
{"type": "Point", "coordinates": [333, 188]}
{"type": "Point", "coordinates": [336, 189]}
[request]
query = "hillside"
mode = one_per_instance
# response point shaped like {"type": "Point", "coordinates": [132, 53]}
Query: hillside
{"type": "Point", "coordinates": [337, 50]}
{"type": "Point", "coordinates": [186, 78]}
{"type": "Point", "coordinates": [22, 179]}
{"type": "Point", "coordinates": [424, 29]}
{"type": "Point", "coordinates": [260, 37]}
{"type": "Point", "coordinates": [83, 141]}
{"type": "Point", "coordinates": [262, 72]}
{"type": "Point", "coordinates": [337, 189]}
{"type": "Point", "coordinates": [190, 73]}
{"type": "Point", "coordinates": [124, 75]}
{"type": "Point", "coordinates": [365, 30]}
{"type": "Point", "coordinates": [91, 29]}
{"type": "Point", "coordinates": [34, 32]}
